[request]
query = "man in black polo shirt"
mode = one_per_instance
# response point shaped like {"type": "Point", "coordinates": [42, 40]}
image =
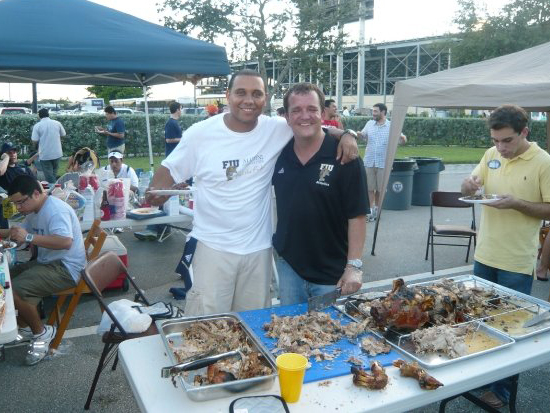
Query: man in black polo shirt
{"type": "Point", "coordinates": [321, 206]}
{"type": "Point", "coordinates": [9, 170]}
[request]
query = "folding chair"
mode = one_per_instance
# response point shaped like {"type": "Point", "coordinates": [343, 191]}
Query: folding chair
{"type": "Point", "coordinates": [92, 245]}
{"type": "Point", "coordinates": [98, 274]}
{"type": "Point", "coordinates": [449, 200]}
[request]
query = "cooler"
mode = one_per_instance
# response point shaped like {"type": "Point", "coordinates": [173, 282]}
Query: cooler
{"type": "Point", "coordinates": [112, 243]}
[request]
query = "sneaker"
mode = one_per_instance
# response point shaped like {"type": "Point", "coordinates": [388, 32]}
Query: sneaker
{"type": "Point", "coordinates": [118, 230]}
{"type": "Point", "coordinates": [39, 346]}
{"type": "Point", "coordinates": [146, 235]}
{"type": "Point", "coordinates": [23, 334]}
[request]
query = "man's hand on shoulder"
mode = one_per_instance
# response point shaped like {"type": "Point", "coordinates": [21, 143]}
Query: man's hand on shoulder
{"type": "Point", "coordinates": [351, 280]}
{"type": "Point", "coordinates": [347, 149]}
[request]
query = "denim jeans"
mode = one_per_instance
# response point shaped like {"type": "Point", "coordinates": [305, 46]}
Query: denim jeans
{"type": "Point", "coordinates": [293, 289]}
{"type": "Point", "coordinates": [515, 281]}
{"type": "Point", "coordinates": [50, 168]}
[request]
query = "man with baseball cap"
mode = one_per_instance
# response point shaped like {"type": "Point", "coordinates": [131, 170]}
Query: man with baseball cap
{"type": "Point", "coordinates": [121, 170]}
{"type": "Point", "coordinates": [9, 170]}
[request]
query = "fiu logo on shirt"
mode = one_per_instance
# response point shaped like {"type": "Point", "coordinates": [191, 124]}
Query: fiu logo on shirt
{"type": "Point", "coordinates": [230, 168]}
{"type": "Point", "coordinates": [324, 172]}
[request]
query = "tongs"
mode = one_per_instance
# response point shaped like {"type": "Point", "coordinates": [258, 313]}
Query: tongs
{"type": "Point", "coordinates": [194, 363]}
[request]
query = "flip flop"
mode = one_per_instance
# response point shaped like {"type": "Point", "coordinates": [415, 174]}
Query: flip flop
{"type": "Point", "coordinates": [541, 279]}
{"type": "Point", "coordinates": [492, 400]}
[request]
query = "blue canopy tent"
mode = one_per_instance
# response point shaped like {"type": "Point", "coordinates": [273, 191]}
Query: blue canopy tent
{"type": "Point", "coordinates": [78, 42]}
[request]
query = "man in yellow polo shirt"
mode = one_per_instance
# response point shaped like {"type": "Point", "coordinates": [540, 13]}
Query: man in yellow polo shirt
{"type": "Point", "coordinates": [519, 172]}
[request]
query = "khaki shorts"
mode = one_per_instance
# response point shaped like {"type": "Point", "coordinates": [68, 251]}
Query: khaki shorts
{"type": "Point", "coordinates": [32, 280]}
{"type": "Point", "coordinates": [119, 148]}
{"type": "Point", "coordinates": [224, 282]}
{"type": "Point", "coordinates": [375, 179]}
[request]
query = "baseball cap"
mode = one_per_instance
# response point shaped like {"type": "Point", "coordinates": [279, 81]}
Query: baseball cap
{"type": "Point", "coordinates": [8, 146]}
{"type": "Point", "coordinates": [116, 154]}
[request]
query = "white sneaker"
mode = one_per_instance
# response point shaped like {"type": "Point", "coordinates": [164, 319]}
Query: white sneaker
{"type": "Point", "coordinates": [39, 346]}
{"type": "Point", "coordinates": [23, 334]}
{"type": "Point", "coordinates": [118, 230]}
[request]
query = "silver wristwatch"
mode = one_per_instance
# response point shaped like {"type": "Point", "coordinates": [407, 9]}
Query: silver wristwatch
{"type": "Point", "coordinates": [357, 263]}
{"type": "Point", "coordinates": [350, 132]}
{"type": "Point", "coordinates": [29, 238]}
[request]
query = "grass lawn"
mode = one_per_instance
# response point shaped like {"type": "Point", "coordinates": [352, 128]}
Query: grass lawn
{"type": "Point", "coordinates": [449, 154]}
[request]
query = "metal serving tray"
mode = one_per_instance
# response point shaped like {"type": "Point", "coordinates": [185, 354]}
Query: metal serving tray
{"type": "Point", "coordinates": [525, 305]}
{"type": "Point", "coordinates": [170, 330]}
{"type": "Point", "coordinates": [404, 343]}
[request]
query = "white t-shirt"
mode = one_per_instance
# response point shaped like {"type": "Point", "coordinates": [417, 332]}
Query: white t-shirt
{"type": "Point", "coordinates": [232, 171]}
{"type": "Point", "coordinates": [48, 132]}
{"type": "Point", "coordinates": [58, 218]}
{"type": "Point", "coordinates": [125, 172]}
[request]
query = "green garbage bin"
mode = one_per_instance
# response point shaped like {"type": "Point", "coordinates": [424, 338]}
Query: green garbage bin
{"type": "Point", "coordinates": [399, 189]}
{"type": "Point", "coordinates": [426, 179]}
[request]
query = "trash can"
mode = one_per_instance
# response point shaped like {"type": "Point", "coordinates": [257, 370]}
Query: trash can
{"type": "Point", "coordinates": [426, 179]}
{"type": "Point", "coordinates": [399, 189]}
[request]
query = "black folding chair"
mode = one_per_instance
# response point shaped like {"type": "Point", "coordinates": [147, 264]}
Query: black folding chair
{"type": "Point", "coordinates": [98, 274]}
{"type": "Point", "coordinates": [449, 200]}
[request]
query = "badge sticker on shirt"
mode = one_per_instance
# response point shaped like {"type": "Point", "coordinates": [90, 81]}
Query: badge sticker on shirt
{"type": "Point", "coordinates": [324, 172]}
{"type": "Point", "coordinates": [493, 164]}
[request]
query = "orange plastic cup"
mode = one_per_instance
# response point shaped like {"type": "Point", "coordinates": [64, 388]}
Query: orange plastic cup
{"type": "Point", "coordinates": [292, 368]}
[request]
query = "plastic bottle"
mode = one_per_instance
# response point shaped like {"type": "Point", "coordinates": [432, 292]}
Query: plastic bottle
{"type": "Point", "coordinates": [105, 208]}
{"type": "Point", "coordinates": [88, 194]}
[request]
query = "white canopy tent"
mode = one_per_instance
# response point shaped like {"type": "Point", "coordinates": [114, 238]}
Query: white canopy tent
{"type": "Point", "coordinates": [521, 78]}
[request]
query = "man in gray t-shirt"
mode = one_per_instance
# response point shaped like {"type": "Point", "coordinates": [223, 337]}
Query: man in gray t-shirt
{"type": "Point", "coordinates": [52, 229]}
{"type": "Point", "coordinates": [47, 135]}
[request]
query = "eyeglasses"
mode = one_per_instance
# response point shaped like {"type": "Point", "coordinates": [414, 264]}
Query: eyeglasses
{"type": "Point", "coordinates": [21, 202]}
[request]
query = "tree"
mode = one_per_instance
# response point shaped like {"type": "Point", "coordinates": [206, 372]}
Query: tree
{"type": "Point", "coordinates": [521, 24]}
{"type": "Point", "coordinates": [115, 92]}
{"type": "Point", "coordinates": [295, 31]}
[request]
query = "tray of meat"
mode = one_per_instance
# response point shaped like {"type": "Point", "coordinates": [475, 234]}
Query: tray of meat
{"type": "Point", "coordinates": [243, 362]}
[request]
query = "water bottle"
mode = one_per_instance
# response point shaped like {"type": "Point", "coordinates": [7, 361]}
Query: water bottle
{"type": "Point", "coordinates": [144, 180]}
{"type": "Point", "coordinates": [88, 195]}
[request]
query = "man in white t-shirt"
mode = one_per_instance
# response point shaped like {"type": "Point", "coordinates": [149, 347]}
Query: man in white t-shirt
{"type": "Point", "coordinates": [231, 157]}
{"type": "Point", "coordinates": [121, 170]}
{"type": "Point", "coordinates": [47, 135]}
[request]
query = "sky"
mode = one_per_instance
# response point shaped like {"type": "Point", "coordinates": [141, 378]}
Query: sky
{"type": "Point", "coordinates": [393, 20]}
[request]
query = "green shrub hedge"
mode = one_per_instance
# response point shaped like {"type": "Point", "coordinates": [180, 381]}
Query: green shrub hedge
{"type": "Point", "coordinates": [470, 132]}
{"type": "Point", "coordinates": [80, 132]}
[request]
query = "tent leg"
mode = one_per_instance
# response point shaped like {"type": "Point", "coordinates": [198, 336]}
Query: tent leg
{"type": "Point", "coordinates": [148, 125]}
{"type": "Point", "coordinates": [376, 232]}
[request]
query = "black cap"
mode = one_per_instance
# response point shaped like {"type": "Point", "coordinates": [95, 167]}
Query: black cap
{"type": "Point", "coordinates": [8, 146]}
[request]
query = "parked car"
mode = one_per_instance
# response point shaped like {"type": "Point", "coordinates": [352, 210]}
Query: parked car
{"type": "Point", "coordinates": [127, 111]}
{"type": "Point", "coordinates": [14, 111]}
{"type": "Point", "coordinates": [193, 111]}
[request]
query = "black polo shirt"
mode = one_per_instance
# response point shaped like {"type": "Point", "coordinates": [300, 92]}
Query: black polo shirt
{"type": "Point", "coordinates": [314, 203]}
{"type": "Point", "coordinates": [13, 172]}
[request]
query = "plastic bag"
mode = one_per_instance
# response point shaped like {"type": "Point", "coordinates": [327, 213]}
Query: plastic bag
{"type": "Point", "coordinates": [116, 198]}
{"type": "Point", "coordinates": [131, 320]}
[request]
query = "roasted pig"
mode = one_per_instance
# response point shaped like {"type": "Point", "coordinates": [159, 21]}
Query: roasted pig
{"type": "Point", "coordinates": [413, 370]}
{"type": "Point", "coordinates": [377, 379]}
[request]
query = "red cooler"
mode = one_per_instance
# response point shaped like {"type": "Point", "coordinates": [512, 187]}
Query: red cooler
{"type": "Point", "coordinates": [112, 243]}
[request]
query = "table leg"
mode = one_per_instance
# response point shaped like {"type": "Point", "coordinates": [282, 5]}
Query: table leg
{"type": "Point", "coordinates": [2, 353]}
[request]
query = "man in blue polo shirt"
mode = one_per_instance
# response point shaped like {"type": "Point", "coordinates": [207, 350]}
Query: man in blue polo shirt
{"type": "Point", "coordinates": [321, 206]}
{"type": "Point", "coordinates": [115, 130]}
{"type": "Point", "coordinates": [172, 129]}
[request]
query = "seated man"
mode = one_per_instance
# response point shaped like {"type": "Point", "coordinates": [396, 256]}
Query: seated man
{"type": "Point", "coordinates": [121, 170]}
{"type": "Point", "coordinates": [52, 228]}
{"type": "Point", "coordinates": [81, 157]}
{"type": "Point", "coordinates": [9, 170]}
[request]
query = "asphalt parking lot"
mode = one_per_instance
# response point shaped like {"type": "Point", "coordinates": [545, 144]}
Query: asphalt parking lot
{"type": "Point", "coordinates": [61, 383]}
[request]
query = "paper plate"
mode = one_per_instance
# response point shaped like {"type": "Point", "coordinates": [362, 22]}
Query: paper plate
{"type": "Point", "coordinates": [170, 192]}
{"type": "Point", "coordinates": [485, 199]}
{"type": "Point", "coordinates": [145, 211]}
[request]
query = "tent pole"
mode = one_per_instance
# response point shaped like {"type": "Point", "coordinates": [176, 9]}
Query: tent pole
{"type": "Point", "coordinates": [34, 98]}
{"type": "Point", "coordinates": [548, 131]}
{"type": "Point", "coordinates": [148, 127]}
{"type": "Point", "coordinates": [376, 231]}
